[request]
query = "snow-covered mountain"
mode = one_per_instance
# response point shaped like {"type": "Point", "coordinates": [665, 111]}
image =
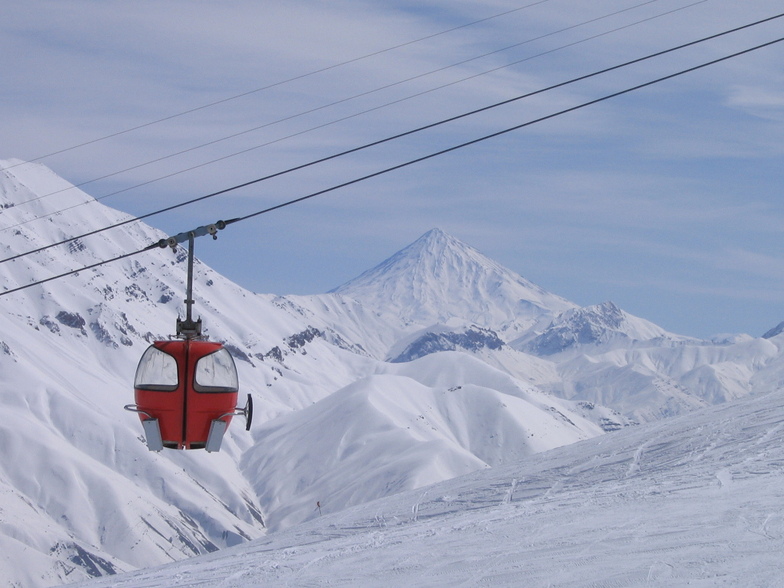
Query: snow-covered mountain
{"type": "Point", "coordinates": [406, 426]}
{"type": "Point", "coordinates": [434, 364]}
{"type": "Point", "coordinates": [593, 325]}
{"type": "Point", "coordinates": [438, 278]}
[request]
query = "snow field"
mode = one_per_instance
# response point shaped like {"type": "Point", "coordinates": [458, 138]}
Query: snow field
{"type": "Point", "coordinates": [694, 500]}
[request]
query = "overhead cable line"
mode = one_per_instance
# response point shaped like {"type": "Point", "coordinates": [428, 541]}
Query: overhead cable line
{"type": "Point", "coordinates": [350, 98]}
{"type": "Point", "coordinates": [394, 137]}
{"type": "Point", "coordinates": [280, 83]}
{"type": "Point", "coordinates": [503, 132]}
{"type": "Point", "coordinates": [163, 242]}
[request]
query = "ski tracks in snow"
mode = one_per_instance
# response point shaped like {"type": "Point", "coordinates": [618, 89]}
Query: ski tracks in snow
{"type": "Point", "coordinates": [696, 500]}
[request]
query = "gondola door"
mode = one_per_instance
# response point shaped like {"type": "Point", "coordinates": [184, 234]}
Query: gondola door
{"type": "Point", "coordinates": [210, 394]}
{"type": "Point", "coordinates": [159, 390]}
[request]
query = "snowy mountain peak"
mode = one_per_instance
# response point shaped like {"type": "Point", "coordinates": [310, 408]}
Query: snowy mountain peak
{"type": "Point", "coordinates": [436, 237]}
{"type": "Point", "coordinates": [439, 277]}
{"type": "Point", "coordinates": [30, 185]}
{"type": "Point", "coordinates": [597, 324]}
{"type": "Point", "coordinates": [436, 243]}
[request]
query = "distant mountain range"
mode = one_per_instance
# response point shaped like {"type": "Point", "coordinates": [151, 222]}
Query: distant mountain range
{"type": "Point", "coordinates": [435, 363]}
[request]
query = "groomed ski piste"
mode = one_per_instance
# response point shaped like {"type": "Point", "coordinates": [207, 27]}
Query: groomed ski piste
{"type": "Point", "coordinates": [696, 500]}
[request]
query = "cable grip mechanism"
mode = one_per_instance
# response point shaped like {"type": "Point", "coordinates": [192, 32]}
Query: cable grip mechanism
{"type": "Point", "coordinates": [211, 229]}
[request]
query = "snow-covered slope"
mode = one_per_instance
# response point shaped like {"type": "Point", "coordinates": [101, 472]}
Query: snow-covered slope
{"type": "Point", "coordinates": [688, 501]}
{"type": "Point", "coordinates": [411, 425]}
{"type": "Point", "coordinates": [415, 372]}
{"type": "Point", "coordinates": [82, 495]}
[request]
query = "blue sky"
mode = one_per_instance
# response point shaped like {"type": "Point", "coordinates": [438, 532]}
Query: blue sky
{"type": "Point", "coordinates": [666, 201]}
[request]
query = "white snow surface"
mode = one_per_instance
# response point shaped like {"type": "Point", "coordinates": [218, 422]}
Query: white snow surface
{"type": "Point", "coordinates": [401, 430]}
{"type": "Point", "coordinates": [688, 501]}
{"type": "Point", "coordinates": [497, 374]}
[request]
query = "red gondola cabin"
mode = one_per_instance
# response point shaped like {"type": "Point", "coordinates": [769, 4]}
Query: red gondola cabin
{"type": "Point", "coordinates": [186, 390]}
{"type": "Point", "coordinates": [186, 394]}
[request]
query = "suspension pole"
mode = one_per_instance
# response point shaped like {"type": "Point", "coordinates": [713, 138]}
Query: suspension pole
{"type": "Point", "coordinates": [188, 328]}
{"type": "Point", "coordinates": [189, 287]}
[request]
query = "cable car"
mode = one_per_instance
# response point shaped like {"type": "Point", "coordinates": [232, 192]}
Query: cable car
{"type": "Point", "coordinates": [186, 394]}
{"type": "Point", "coordinates": [186, 389]}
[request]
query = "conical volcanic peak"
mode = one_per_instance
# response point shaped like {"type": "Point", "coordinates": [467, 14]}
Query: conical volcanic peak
{"type": "Point", "coordinates": [438, 278]}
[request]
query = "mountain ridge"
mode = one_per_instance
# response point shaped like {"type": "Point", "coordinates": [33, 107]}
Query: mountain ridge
{"type": "Point", "coordinates": [595, 325]}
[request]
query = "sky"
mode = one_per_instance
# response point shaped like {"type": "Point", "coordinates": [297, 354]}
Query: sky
{"type": "Point", "coordinates": [665, 200]}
